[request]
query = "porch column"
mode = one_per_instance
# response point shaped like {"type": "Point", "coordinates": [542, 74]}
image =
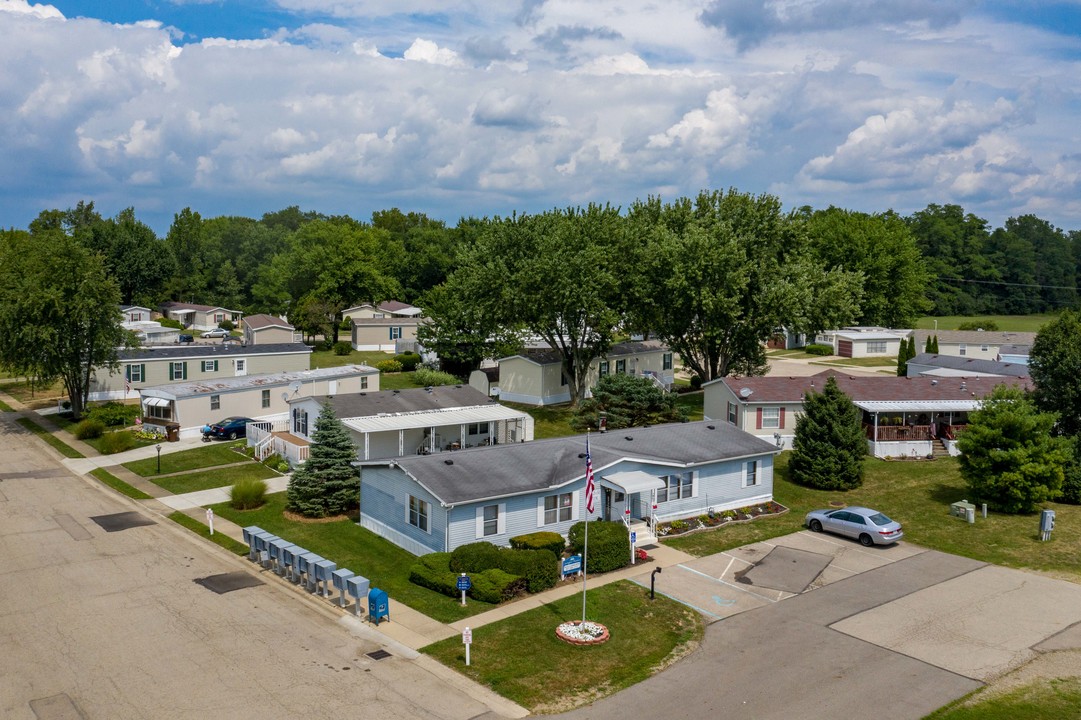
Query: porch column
{"type": "Point", "coordinates": [491, 431]}
{"type": "Point", "coordinates": [367, 454]}
{"type": "Point", "coordinates": [876, 431]}
{"type": "Point", "coordinates": [401, 443]}
{"type": "Point", "coordinates": [431, 439]}
{"type": "Point", "coordinates": [461, 436]}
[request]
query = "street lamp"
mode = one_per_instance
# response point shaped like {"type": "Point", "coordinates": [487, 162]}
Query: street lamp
{"type": "Point", "coordinates": [158, 448]}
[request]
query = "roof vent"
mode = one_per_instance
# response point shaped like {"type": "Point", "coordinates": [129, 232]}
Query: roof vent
{"type": "Point", "coordinates": [934, 382]}
{"type": "Point", "coordinates": [745, 392]}
{"type": "Point", "coordinates": [711, 427]}
{"type": "Point", "coordinates": [628, 438]}
{"type": "Point", "coordinates": [396, 391]}
{"type": "Point", "coordinates": [581, 455]}
{"type": "Point", "coordinates": [458, 386]}
{"type": "Point", "coordinates": [449, 462]}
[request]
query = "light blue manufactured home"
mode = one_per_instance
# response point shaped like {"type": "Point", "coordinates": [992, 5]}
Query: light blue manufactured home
{"type": "Point", "coordinates": [644, 476]}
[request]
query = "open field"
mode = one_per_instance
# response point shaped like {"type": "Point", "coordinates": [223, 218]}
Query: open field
{"type": "Point", "coordinates": [1006, 323]}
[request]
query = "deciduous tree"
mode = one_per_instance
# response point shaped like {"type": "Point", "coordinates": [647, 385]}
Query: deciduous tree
{"type": "Point", "coordinates": [1009, 458]}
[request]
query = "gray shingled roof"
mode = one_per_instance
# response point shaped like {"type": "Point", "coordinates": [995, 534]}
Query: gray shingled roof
{"type": "Point", "coordinates": [502, 470]}
{"type": "Point", "coordinates": [439, 397]}
{"type": "Point", "coordinates": [205, 352]}
{"type": "Point", "coordinates": [974, 337]}
{"type": "Point", "coordinates": [218, 385]}
{"type": "Point", "coordinates": [262, 320]}
{"type": "Point", "coordinates": [953, 362]}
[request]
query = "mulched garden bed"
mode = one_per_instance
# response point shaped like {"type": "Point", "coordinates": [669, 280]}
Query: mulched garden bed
{"type": "Point", "coordinates": [717, 519]}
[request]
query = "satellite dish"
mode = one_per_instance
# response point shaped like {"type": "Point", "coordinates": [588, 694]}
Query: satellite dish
{"type": "Point", "coordinates": [295, 386]}
{"type": "Point", "coordinates": [285, 396]}
{"type": "Point", "coordinates": [745, 392]}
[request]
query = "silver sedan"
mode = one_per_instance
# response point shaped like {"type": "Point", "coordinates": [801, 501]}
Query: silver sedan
{"type": "Point", "coordinates": [868, 526]}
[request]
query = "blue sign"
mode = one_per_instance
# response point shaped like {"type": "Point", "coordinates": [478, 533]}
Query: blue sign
{"type": "Point", "coordinates": [572, 564]}
{"type": "Point", "coordinates": [464, 583]}
{"type": "Point", "coordinates": [634, 537]}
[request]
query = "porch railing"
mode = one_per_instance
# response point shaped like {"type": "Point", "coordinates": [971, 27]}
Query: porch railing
{"type": "Point", "coordinates": [902, 433]}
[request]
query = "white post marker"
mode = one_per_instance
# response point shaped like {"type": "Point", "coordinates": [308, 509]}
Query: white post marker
{"type": "Point", "coordinates": [210, 519]}
{"type": "Point", "coordinates": [467, 640]}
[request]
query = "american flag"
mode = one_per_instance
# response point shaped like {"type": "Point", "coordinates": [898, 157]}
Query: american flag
{"type": "Point", "coordinates": [589, 479]}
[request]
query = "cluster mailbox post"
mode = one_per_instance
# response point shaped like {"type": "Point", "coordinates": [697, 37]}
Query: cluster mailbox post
{"type": "Point", "coordinates": [339, 578]}
{"type": "Point", "coordinates": [323, 571]}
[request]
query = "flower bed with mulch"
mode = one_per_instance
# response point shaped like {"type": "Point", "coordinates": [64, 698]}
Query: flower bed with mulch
{"type": "Point", "coordinates": [717, 519]}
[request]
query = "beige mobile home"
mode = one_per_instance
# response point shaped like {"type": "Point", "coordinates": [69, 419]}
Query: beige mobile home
{"type": "Point", "coordinates": [194, 404]}
{"type": "Point", "coordinates": [150, 366]}
{"type": "Point", "coordinates": [535, 376]}
{"type": "Point", "coordinates": [199, 317]}
{"type": "Point", "coordinates": [977, 344]}
{"type": "Point", "coordinates": [264, 329]}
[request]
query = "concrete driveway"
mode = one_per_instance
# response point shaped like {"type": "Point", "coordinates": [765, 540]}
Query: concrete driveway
{"type": "Point", "coordinates": [899, 627]}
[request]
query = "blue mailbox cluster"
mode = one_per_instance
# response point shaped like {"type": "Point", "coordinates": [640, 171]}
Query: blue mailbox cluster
{"type": "Point", "coordinates": [315, 572]}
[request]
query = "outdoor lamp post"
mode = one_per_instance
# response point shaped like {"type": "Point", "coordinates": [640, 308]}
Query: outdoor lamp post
{"type": "Point", "coordinates": [158, 448]}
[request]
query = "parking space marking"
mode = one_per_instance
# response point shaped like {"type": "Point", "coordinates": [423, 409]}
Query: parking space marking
{"type": "Point", "coordinates": [727, 584]}
{"type": "Point", "coordinates": [684, 602]}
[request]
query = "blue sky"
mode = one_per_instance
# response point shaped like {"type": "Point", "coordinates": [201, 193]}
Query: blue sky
{"type": "Point", "coordinates": [461, 107]}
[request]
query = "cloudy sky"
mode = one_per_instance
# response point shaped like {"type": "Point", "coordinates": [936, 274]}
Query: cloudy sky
{"type": "Point", "coordinates": [464, 107]}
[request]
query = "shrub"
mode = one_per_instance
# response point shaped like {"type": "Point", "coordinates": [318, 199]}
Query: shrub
{"type": "Point", "coordinates": [276, 462]}
{"type": "Point", "coordinates": [433, 572]}
{"type": "Point", "coordinates": [609, 544]}
{"type": "Point", "coordinates": [388, 366]}
{"type": "Point", "coordinates": [427, 376]}
{"type": "Point", "coordinates": [114, 442]}
{"type": "Point", "coordinates": [227, 325]}
{"type": "Point", "coordinates": [113, 414]}
{"type": "Point", "coordinates": [89, 428]}
{"type": "Point", "coordinates": [342, 348]}
{"type": "Point", "coordinates": [248, 494]}
{"type": "Point", "coordinates": [539, 568]}
{"type": "Point", "coordinates": [986, 325]}
{"type": "Point", "coordinates": [409, 361]}
{"type": "Point", "coordinates": [170, 323]}
{"type": "Point", "coordinates": [818, 350]}
{"type": "Point", "coordinates": [696, 382]}
{"type": "Point", "coordinates": [542, 540]}
{"type": "Point", "coordinates": [474, 557]}
{"type": "Point", "coordinates": [495, 586]}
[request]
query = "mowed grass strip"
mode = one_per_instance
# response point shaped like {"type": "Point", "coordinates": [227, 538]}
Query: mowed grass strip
{"type": "Point", "coordinates": [4, 407]}
{"type": "Point", "coordinates": [107, 478]}
{"type": "Point", "coordinates": [522, 659]}
{"type": "Point", "coordinates": [918, 495]}
{"type": "Point", "coordinates": [1055, 699]}
{"type": "Point", "coordinates": [350, 546]}
{"type": "Point", "coordinates": [202, 530]}
{"type": "Point", "coordinates": [210, 455]}
{"type": "Point", "coordinates": [213, 478]}
{"type": "Point", "coordinates": [60, 446]}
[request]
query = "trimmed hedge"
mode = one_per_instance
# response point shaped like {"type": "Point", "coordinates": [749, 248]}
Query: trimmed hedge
{"type": "Point", "coordinates": [609, 544]}
{"type": "Point", "coordinates": [388, 366]}
{"type": "Point", "coordinates": [539, 568]}
{"type": "Point", "coordinates": [474, 557]}
{"type": "Point", "coordinates": [818, 350]}
{"type": "Point", "coordinates": [541, 540]}
{"type": "Point", "coordinates": [409, 361]}
{"type": "Point", "coordinates": [492, 586]}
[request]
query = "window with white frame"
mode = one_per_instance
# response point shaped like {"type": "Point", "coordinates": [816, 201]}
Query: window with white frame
{"type": "Point", "coordinates": [771, 417]}
{"type": "Point", "coordinates": [732, 413]}
{"type": "Point", "coordinates": [266, 398]}
{"type": "Point", "coordinates": [300, 421]}
{"type": "Point", "coordinates": [178, 371]}
{"type": "Point", "coordinates": [136, 373]}
{"type": "Point", "coordinates": [395, 333]}
{"type": "Point", "coordinates": [219, 317]}
{"type": "Point", "coordinates": [962, 349]}
{"type": "Point", "coordinates": [984, 348]}
{"type": "Point", "coordinates": [558, 508]}
{"type": "Point", "coordinates": [491, 520]}
{"type": "Point", "coordinates": [876, 346]}
{"type": "Point", "coordinates": [364, 382]}
{"type": "Point", "coordinates": [666, 361]}
{"type": "Point", "coordinates": [159, 412]}
{"type": "Point", "coordinates": [418, 513]}
{"type": "Point", "coordinates": [210, 365]}
{"type": "Point", "coordinates": [677, 487]}
{"type": "Point", "coordinates": [215, 402]}
{"type": "Point", "coordinates": [621, 366]}
{"type": "Point", "coordinates": [750, 473]}
{"type": "Point", "coordinates": [602, 370]}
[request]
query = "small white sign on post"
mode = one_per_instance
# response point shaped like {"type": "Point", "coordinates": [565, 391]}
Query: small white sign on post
{"type": "Point", "coordinates": [467, 640]}
{"type": "Point", "coordinates": [210, 520]}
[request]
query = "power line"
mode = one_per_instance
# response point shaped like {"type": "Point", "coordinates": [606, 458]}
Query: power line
{"type": "Point", "coordinates": [1010, 284]}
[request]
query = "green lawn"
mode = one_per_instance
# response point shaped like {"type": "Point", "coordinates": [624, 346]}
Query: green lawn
{"type": "Point", "coordinates": [363, 552]}
{"type": "Point", "coordinates": [107, 478]}
{"type": "Point", "coordinates": [4, 407]}
{"type": "Point", "coordinates": [1056, 699]}
{"type": "Point", "coordinates": [203, 531]}
{"type": "Point", "coordinates": [210, 455]}
{"type": "Point", "coordinates": [522, 659]}
{"type": "Point", "coordinates": [1005, 323]}
{"type": "Point", "coordinates": [63, 448]}
{"type": "Point", "coordinates": [33, 395]}
{"type": "Point", "coordinates": [918, 495]}
{"type": "Point", "coordinates": [214, 478]}
{"type": "Point", "coordinates": [327, 358]}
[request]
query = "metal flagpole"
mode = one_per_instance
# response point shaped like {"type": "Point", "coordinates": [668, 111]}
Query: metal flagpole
{"type": "Point", "coordinates": [589, 511]}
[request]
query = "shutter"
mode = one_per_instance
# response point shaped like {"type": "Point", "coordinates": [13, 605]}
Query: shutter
{"type": "Point", "coordinates": [480, 522]}
{"type": "Point", "coordinates": [781, 425]}
{"type": "Point", "coordinates": [127, 373]}
{"type": "Point", "coordinates": [575, 499]}
{"type": "Point", "coordinates": [184, 371]}
{"type": "Point", "coordinates": [759, 420]}
{"type": "Point", "coordinates": [501, 523]}
{"type": "Point", "coordinates": [171, 371]}
{"type": "Point", "coordinates": [694, 484]}
{"type": "Point", "coordinates": [390, 332]}
{"type": "Point", "coordinates": [540, 512]}
{"type": "Point", "coordinates": [142, 373]}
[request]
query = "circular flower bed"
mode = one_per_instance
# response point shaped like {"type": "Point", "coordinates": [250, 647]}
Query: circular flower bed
{"type": "Point", "coordinates": [577, 632]}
